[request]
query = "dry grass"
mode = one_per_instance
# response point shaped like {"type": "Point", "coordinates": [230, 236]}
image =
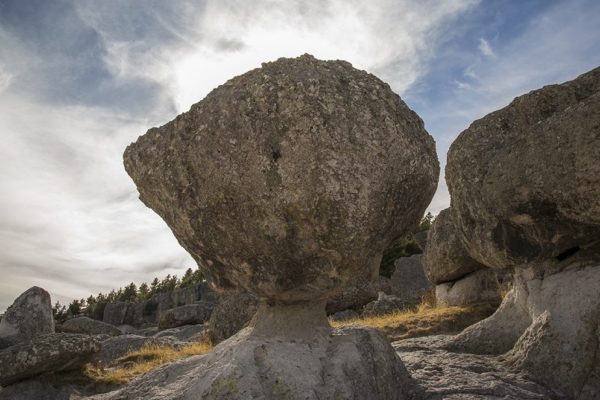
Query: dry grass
{"type": "Point", "coordinates": [426, 319]}
{"type": "Point", "coordinates": [140, 361]}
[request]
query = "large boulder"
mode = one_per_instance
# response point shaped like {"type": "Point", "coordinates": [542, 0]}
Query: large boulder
{"type": "Point", "coordinates": [385, 304]}
{"type": "Point", "coordinates": [89, 326]}
{"type": "Point", "coordinates": [408, 282]}
{"type": "Point", "coordinates": [30, 315]}
{"type": "Point", "coordinates": [190, 314]}
{"type": "Point", "coordinates": [46, 353]}
{"type": "Point", "coordinates": [525, 180]}
{"type": "Point", "coordinates": [525, 188]}
{"type": "Point", "coordinates": [116, 347]}
{"type": "Point", "coordinates": [359, 292]}
{"type": "Point", "coordinates": [114, 313]}
{"type": "Point", "coordinates": [475, 288]}
{"type": "Point", "coordinates": [288, 182]}
{"type": "Point", "coordinates": [444, 257]}
{"type": "Point", "coordinates": [233, 313]}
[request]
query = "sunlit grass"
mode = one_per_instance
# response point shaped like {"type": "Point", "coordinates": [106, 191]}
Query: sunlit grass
{"type": "Point", "coordinates": [141, 361]}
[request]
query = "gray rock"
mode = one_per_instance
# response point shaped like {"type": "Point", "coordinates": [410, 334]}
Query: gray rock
{"type": "Point", "coordinates": [525, 180]}
{"type": "Point", "coordinates": [30, 315]}
{"type": "Point", "coordinates": [114, 313]}
{"type": "Point", "coordinates": [475, 288]}
{"type": "Point", "coordinates": [33, 389]}
{"type": "Point", "coordinates": [89, 326]}
{"type": "Point", "coordinates": [445, 258]}
{"type": "Point", "coordinates": [190, 314]}
{"type": "Point", "coordinates": [358, 364]}
{"type": "Point", "coordinates": [118, 346]}
{"type": "Point", "coordinates": [454, 376]}
{"type": "Point", "coordinates": [344, 315]}
{"type": "Point", "coordinates": [385, 304]}
{"type": "Point", "coordinates": [355, 295]}
{"type": "Point", "coordinates": [288, 182]}
{"type": "Point", "coordinates": [233, 313]}
{"type": "Point", "coordinates": [187, 333]}
{"type": "Point", "coordinates": [421, 239]}
{"type": "Point", "coordinates": [46, 353]}
{"type": "Point", "coordinates": [408, 282]}
{"type": "Point", "coordinates": [382, 284]}
{"type": "Point", "coordinates": [312, 172]}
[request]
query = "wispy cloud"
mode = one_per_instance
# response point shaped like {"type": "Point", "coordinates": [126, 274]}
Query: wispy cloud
{"type": "Point", "coordinates": [485, 48]}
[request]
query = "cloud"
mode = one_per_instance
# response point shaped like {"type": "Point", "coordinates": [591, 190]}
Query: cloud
{"type": "Point", "coordinates": [485, 48]}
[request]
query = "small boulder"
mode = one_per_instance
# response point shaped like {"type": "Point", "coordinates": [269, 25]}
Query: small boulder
{"type": "Point", "coordinates": [118, 346]}
{"type": "Point", "coordinates": [189, 314]}
{"type": "Point", "coordinates": [408, 282]}
{"type": "Point", "coordinates": [475, 288]}
{"type": "Point", "coordinates": [186, 333]}
{"type": "Point", "coordinates": [29, 316]}
{"type": "Point", "coordinates": [344, 315]}
{"type": "Point", "coordinates": [89, 326]}
{"type": "Point", "coordinates": [385, 304]}
{"type": "Point", "coordinates": [359, 292]}
{"type": "Point", "coordinates": [46, 353]}
{"type": "Point", "coordinates": [233, 313]}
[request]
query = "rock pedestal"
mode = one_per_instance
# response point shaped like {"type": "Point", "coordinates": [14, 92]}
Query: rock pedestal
{"type": "Point", "coordinates": [288, 182]}
{"type": "Point", "coordinates": [525, 188]}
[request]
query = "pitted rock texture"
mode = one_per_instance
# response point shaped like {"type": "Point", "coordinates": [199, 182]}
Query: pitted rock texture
{"type": "Point", "coordinates": [444, 257]}
{"type": "Point", "coordinates": [525, 180]}
{"type": "Point", "coordinates": [351, 363]}
{"type": "Point", "coordinates": [475, 288]}
{"type": "Point", "coordinates": [291, 179]}
{"type": "Point", "coordinates": [46, 353]}
{"type": "Point", "coordinates": [30, 315]}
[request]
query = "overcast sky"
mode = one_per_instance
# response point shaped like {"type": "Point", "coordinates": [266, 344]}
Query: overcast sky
{"type": "Point", "coordinates": [79, 80]}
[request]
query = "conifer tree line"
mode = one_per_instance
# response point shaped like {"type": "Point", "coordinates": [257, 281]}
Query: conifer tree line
{"type": "Point", "coordinates": [93, 306]}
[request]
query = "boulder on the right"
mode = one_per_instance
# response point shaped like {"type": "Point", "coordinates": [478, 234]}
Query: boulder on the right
{"type": "Point", "coordinates": [525, 188]}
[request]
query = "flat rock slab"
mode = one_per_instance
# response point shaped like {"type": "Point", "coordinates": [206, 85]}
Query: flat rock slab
{"type": "Point", "coordinates": [453, 376]}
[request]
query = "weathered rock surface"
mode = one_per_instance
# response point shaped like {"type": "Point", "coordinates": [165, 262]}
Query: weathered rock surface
{"type": "Point", "coordinates": [186, 333]}
{"type": "Point", "coordinates": [408, 282]}
{"type": "Point", "coordinates": [346, 364]}
{"type": "Point", "coordinates": [344, 315]}
{"type": "Point", "coordinates": [233, 313]}
{"type": "Point", "coordinates": [477, 287]}
{"type": "Point", "coordinates": [298, 155]}
{"type": "Point", "coordinates": [88, 326]}
{"type": "Point", "coordinates": [30, 315]}
{"type": "Point", "coordinates": [525, 180]}
{"type": "Point", "coordinates": [444, 257]}
{"type": "Point", "coordinates": [385, 304]}
{"type": "Point", "coordinates": [46, 353]}
{"type": "Point", "coordinates": [359, 292]}
{"type": "Point", "coordinates": [117, 346]}
{"type": "Point", "coordinates": [454, 376]}
{"type": "Point", "coordinates": [190, 314]}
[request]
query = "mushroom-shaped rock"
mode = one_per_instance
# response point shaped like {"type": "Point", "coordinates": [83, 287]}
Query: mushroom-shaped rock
{"type": "Point", "coordinates": [525, 189]}
{"type": "Point", "coordinates": [288, 182]}
{"type": "Point", "coordinates": [445, 258]}
{"type": "Point", "coordinates": [525, 180]}
{"type": "Point", "coordinates": [30, 315]}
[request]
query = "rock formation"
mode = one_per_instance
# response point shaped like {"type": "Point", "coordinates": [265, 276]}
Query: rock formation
{"type": "Point", "coordinates": [408, 282]}
{"type": "Point", "coordinates": [459, 279]}
{"type": "Point", "coordinates": [232, 314]}
{"type": "Point", "coordinates": [190, 314]}
{"type": "Point", "coordinates": [30, 315]}
{"type": "Point", "coordinates": [88, 326]}
{"type": "Point", "coordinates": [288, 182]}
{"type": "Point", "coordinates": [525, 189]}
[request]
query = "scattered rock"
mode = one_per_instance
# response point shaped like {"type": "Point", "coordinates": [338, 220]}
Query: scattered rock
{"type": "Point", "coordinates": [89, 326]}
{"type": "Point", "coordinates": [190, 314]}
{"type": "Point", "coordinates": [233, 313]}
{"type": "Point", "coordinates": [30, 315]}
{"type": "Point", "coordinates": [344, 315]}
{"type": "Point", "coordinates": [358, 293]}
{"type": "Point", "coordinates": [186, 333]}
{"type": "Point", "coordinates": [445, 258]}
{"type": "Point", "coordinates": [118, 346]}
{"type": "Point", "coordinates": [475, 288]}
{"type": "Point", "coordinates": [408, 282]}
{"type": "Point", "coordinates": [385, 304]}
{"type": "Point", "coordinates": [46, 353]}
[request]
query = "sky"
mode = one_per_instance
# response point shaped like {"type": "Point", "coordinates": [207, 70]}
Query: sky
{"type": "Point", "coordinates": [81, 79]}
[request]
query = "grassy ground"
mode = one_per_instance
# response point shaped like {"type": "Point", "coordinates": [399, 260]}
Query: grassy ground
{"type": "Point", "coordinates": [140, 361]}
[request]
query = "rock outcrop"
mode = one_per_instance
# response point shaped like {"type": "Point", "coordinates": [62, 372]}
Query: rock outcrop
{"type": "Point", "coordinates": [525, 189]}
{"type": "Point", "coordinates": [408, 282]}
{"type": "Point", "coordinates": [459, 279]}
{"type": "Point", "coordinates": [117, 346]}
{"type": "Point", "coordinates": [46, 353]}
{"type": "Point", "coordinates": [288, 182]}
{"type": "Point", "coordinates": [232, 314]}
{"type": "Point", "coordinates": [359, 292]}
{"type": "Point", "coordinates": [30, 315]}
{"type": "Point", "coordinates": [385, 304]}
{"type": "Point", "coordinates": [190, 314]}
{"type": "Point", "coordinates": [89, 326]}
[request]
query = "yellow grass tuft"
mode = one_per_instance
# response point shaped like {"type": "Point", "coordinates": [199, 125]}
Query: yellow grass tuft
{"type": "Point", "coordinates": [141, 361]}
{"type": "Point", "coordinates": [426, 319]}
